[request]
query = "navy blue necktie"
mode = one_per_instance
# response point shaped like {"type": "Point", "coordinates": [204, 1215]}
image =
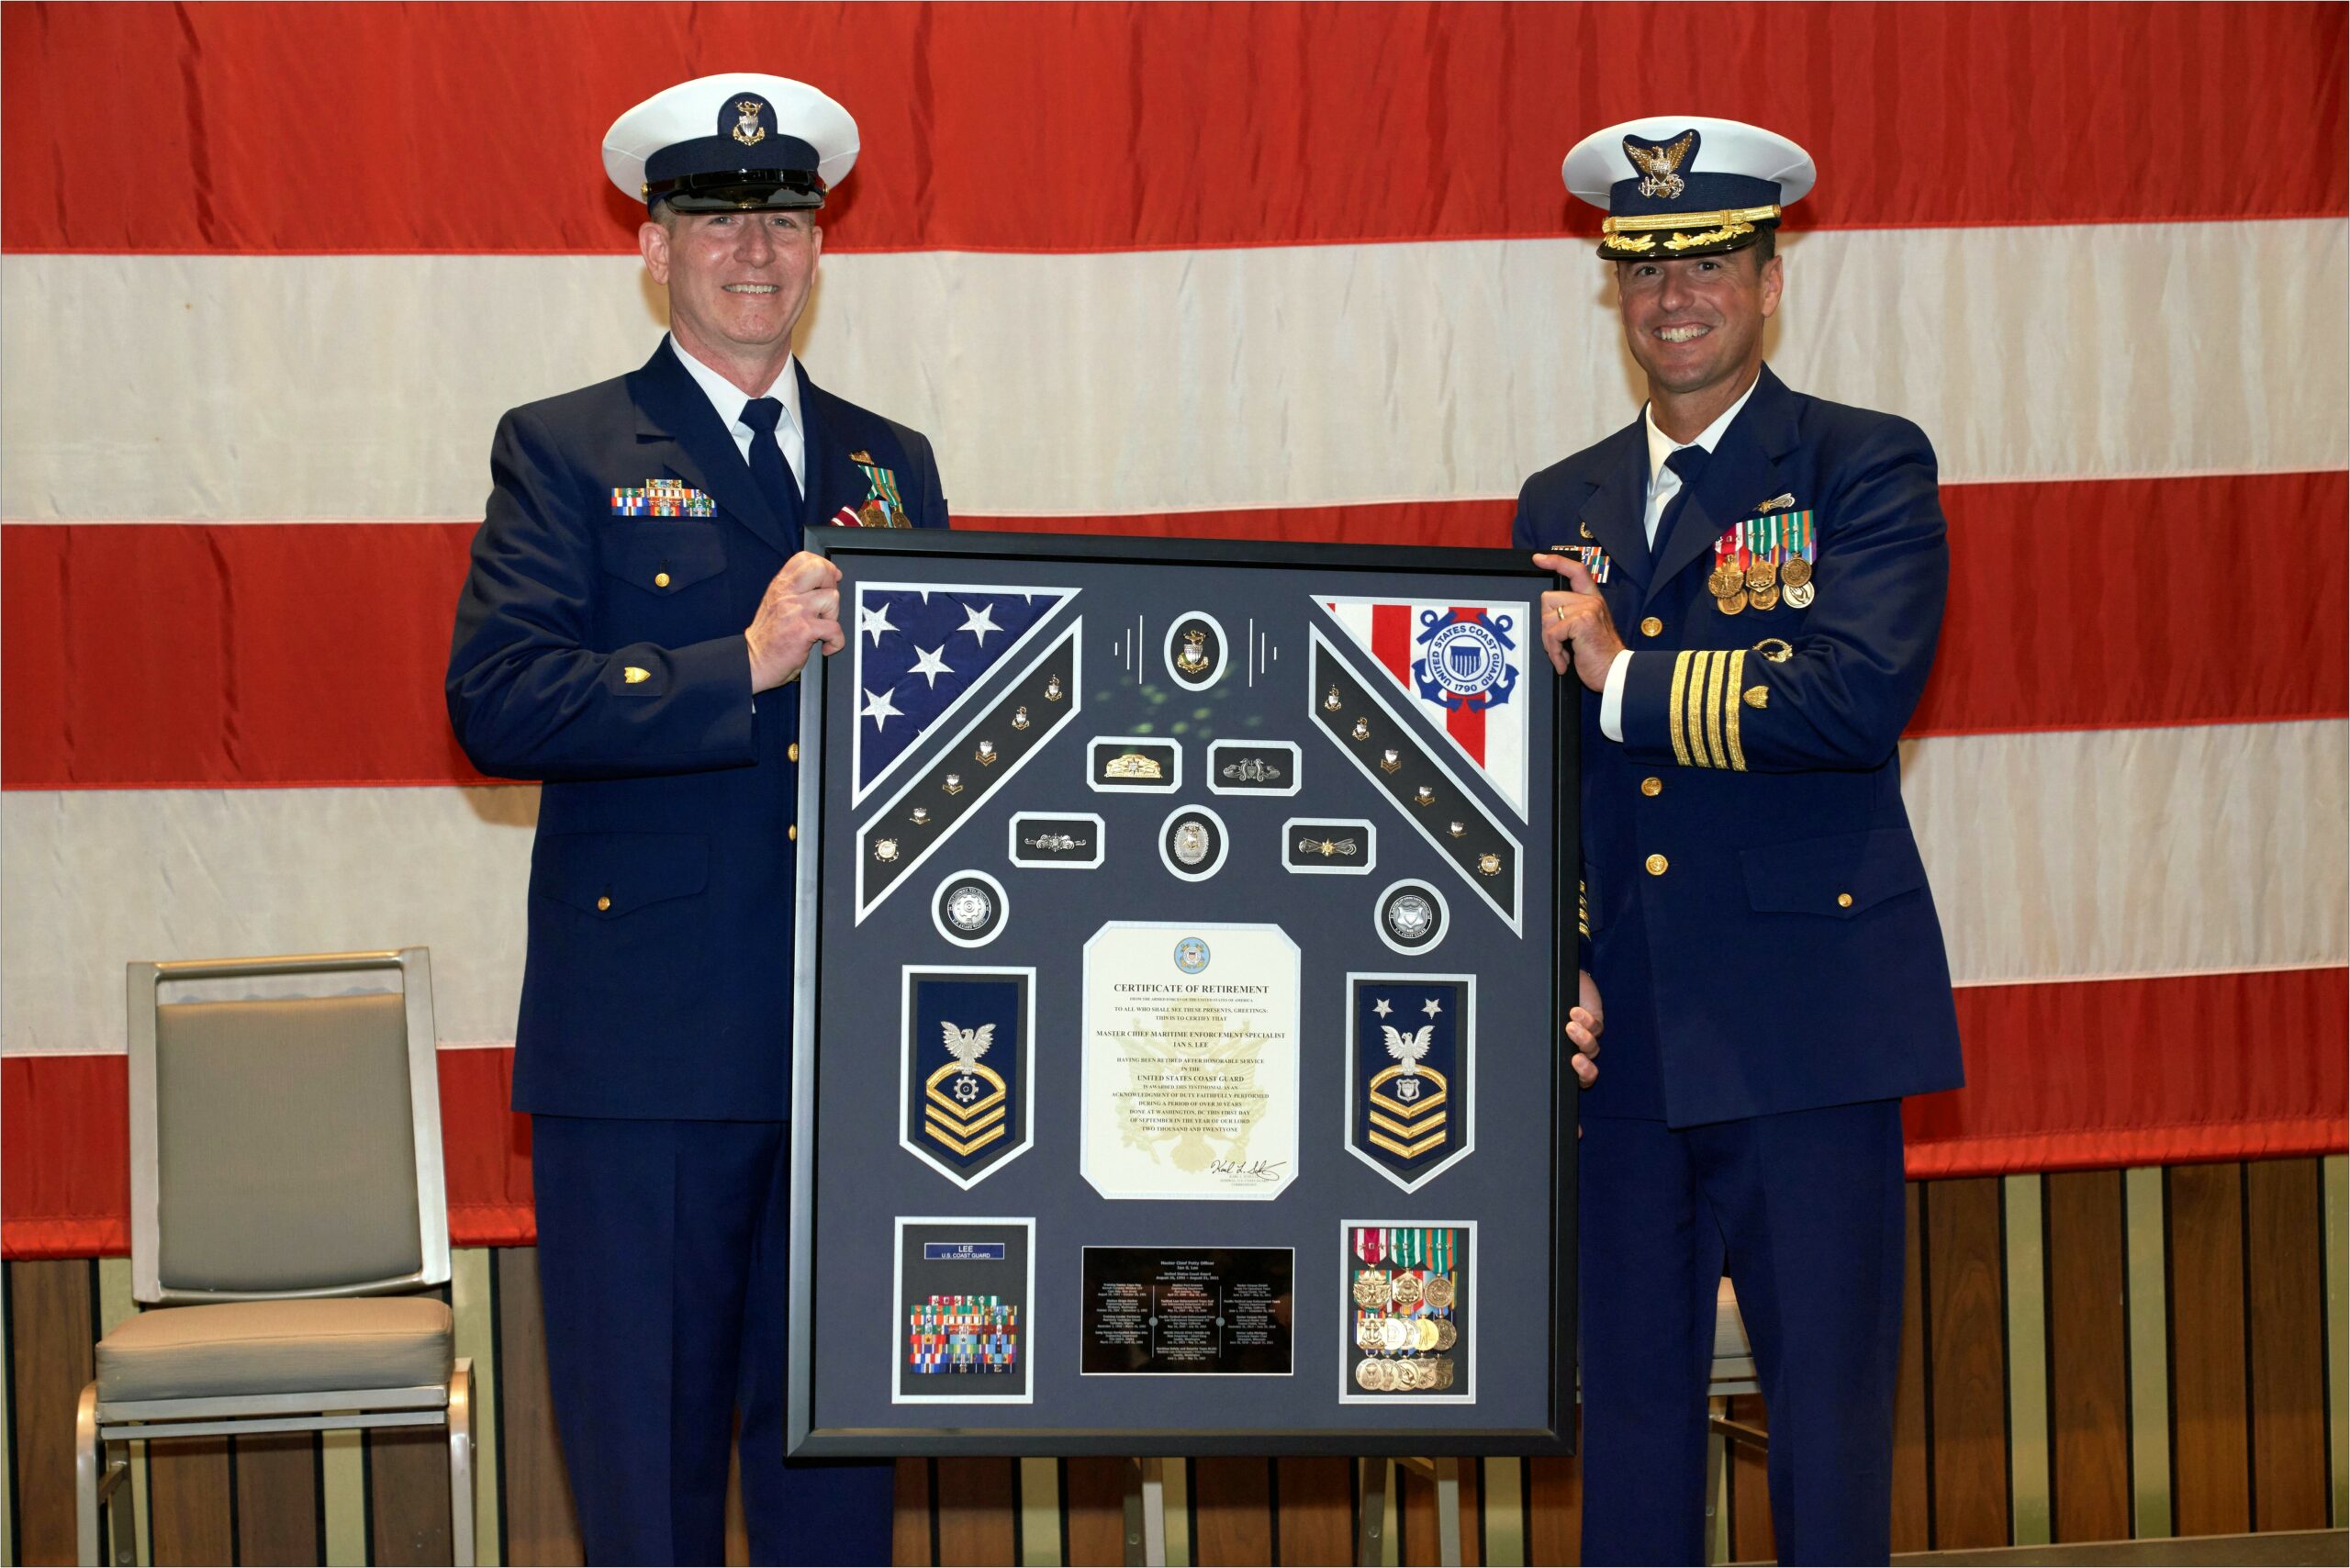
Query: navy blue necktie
{"type": "Point", "coordinates": [768, 466]}
{"type": "Point", "coordinates": [1689, 462]}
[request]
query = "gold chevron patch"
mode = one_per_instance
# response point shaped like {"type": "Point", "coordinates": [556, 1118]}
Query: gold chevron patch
{"type": "Point", "coordinates": [964, 1128]}
{"type": "Point", "coordinates": [1417, 1124]}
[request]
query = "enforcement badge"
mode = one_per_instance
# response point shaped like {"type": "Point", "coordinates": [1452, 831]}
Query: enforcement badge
{"type": "Point", "coordinates": [964, 1081]}
{"type": "Point", "coordinates": [747, 129]}
{"type": "Point", "coordinates": [970, 909]}
{"type": "Point", "coordinates": [1191, 843]}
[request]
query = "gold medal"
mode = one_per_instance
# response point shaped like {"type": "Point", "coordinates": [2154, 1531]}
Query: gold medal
{"type": "Point", "coordinates": [1438, 1291]}
{"type": "Point", "coordinates": [1426, 1326]}
{"type": "Point", "coordinates": [1393, 1332]}
{"type": "Point", "coordinates": [1367, 1374]}
{"type": "Point", "coordinates": [1447, 1336]}
{"type": "Point", "coordinates": [1407, 1291]}
{"type": "Point", "coordinates": [1765, 598]}
{"type": "Point", "coordinates": [1800, 595]}
{"type": "Point", "coordinates": [1443, 1367]}
{"type": "Point", "coordinates": [1370, 1288]}
{"type": "Point", "coordinates": [1366, 1331]}
{"type": "Point", "coordinates": [1796, 572]}
{"type": "Point", "coordinates": [1731, 604]}
{"type": "Point", "coordinates": [1412, 1375]}
{"type": "Point", "coordinates": [1724, 582]}
{"type": "Point", "coordinates": [1763, 574]}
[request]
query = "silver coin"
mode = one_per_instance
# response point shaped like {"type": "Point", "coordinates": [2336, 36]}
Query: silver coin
{"type": "Point", "coordinates": [1191, 845]}
{"type": "Point", "coordinates": [968, 907]}
{"type": "Point", "coordinates": [1410, 916]}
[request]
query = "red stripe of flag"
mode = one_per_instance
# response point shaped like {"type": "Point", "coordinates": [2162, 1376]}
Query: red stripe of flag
{"type": "Point", "coordinates": [333, 128]}
{"type": "Point", "coordinates": [184, 654]}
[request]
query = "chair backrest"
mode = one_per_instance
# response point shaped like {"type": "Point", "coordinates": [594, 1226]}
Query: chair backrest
{"type": "Point", "coordinates": [285, 1141]}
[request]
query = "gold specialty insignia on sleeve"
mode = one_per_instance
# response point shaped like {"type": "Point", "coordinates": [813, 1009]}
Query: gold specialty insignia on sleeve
{"type": "Point", "coordinates": [632, 675]}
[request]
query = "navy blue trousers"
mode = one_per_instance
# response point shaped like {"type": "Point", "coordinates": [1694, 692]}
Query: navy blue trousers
{"type": "Point", "coordinates": [1804, 1212]}
{"type": "Point", "coordinates": [663, 1256]}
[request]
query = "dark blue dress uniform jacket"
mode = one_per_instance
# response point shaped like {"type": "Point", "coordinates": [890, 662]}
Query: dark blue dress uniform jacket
{"type": "Point", "coordinates": [1758, 921]}
{"type": "Point", "coordinates": [604, 654]}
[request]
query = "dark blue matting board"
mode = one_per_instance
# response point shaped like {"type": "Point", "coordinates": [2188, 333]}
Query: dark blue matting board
{"type": "Point", "coordinates": [1263, 857]}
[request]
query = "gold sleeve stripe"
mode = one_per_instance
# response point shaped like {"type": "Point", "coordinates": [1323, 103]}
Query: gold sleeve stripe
{"type": "Point", "coordinates": [1583, 910]}
{"type": "Point", "coordinates": [1694, 719]}
{"type": "Point", "coordinates": [1731, 688]}
{"type": "Point", "coordinates": [1673, 711]}
{"type": "Point", "coordinates": [1713, 708]}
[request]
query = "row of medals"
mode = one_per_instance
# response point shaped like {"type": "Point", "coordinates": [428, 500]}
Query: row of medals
{"type": "Point", "coordinates": [1762, 585]}
{"type": "Point", "coordinates": [1379, 1334]}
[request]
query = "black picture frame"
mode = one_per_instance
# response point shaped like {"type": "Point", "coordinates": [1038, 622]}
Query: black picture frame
{"type": "Point", "coordinates": [958, 1428]}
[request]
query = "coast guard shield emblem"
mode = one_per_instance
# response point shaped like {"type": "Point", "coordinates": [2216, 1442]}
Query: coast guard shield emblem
{"type": "Point", "coordinates": [966, 1085]}
{"type": "Point", "coordinates": [1411, 1092]}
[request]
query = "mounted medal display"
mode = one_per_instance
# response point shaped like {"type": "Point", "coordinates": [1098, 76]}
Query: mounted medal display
{"type": "Point", "coordinates": [1326, 797]}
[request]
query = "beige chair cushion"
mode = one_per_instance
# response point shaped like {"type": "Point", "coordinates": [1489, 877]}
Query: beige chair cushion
{"type": "Point", "coordinates": [278, 1346]}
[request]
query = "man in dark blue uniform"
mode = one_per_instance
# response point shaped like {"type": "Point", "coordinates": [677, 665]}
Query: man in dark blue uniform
{"type": "Point", "coordinates": [638, 603]}
{"type": "Point", "coordinates": [1755, 584]}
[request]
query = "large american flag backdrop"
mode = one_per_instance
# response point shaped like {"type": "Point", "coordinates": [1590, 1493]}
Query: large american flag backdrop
{"type": "Point", "coordinates": [1208, 273]}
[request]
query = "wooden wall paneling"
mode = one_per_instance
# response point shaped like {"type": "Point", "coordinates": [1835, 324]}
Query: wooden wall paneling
{"type": "Point", "coordinates": [1316, 1511]}
{"type": "Point", "coordinates": [277, 1500]}
{"type": "Point", "coordinates": [1093, 1510]}
{"type": "Point", "coordinates": [2284, 1213]}
{"type": "Point", "coordinates": [187, 1487]}
{"type": "Point", "coordinates": [1912, 1452]}
{"type": "Point", "coordinates": [1967, 1362]}
{"type": "Point", "coordinates": [2089, 1357]}
{"type": "Point", "coordinates": [913, 1523]}
{"type": "Point", "coordinates": [1232, 1517]}
{"type": "Point", "coordinates": [1040, 1513]}
{"type": "Point", "coordinates": [1554, 1511]}
{"type": "Point", "coordinates": [2022, 1204]}
{"type": "Point", "coordinates": [2210, 1432]}
{"type": "Point", "coordinates": [7, 1432]}
{"type": "Point", "coordinates": [975, 1499]}
{"type": "Point", "coordinates": [53, 1324]}
{"type": "Point", "coordinates": [737, 1530]}
{"type": "Point", "coordinates": [539, 1526]}
{"type": "Point", "coordinates": [2145, 1229]}
{"type": "Point", "coordinates": [473, 1297]}
{"type": "Point", "coordinates": [1419, 1540]}
{"type": "Point", "coordinates": [407, 1482]}
{"type": "Point", "coordinates": [2337, 1319]}
{"type": "Point", "coordinates": [1752, 1538]}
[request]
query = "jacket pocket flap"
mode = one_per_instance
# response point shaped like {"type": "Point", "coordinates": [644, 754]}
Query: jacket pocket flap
{"type": "Point", "coordinates": [1838, 877]}
{"type": "Point", "coordinates": [666, 554]}
{"type": "Point", "coordinates": [614, 874]}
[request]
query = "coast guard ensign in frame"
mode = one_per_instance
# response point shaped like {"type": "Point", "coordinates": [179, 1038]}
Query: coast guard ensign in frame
{"type": "Point", "coordinates": [1180, 957]}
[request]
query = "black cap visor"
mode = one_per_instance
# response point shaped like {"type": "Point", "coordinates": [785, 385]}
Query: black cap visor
{"type": "Point", "coordinates": [736, 190]}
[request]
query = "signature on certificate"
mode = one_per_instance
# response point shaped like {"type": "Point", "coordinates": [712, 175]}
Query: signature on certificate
{"type": "Point", "coordinates": [1247, 1170]}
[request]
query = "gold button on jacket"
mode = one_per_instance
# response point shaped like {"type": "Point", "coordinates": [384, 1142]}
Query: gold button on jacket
{"type": "Point", "coordinates": [793, 833]}
{"type": "Point", "coordinates": [604, 902]}
{"type": "Point", "coordinates": [1844, 901]}
{"type": "Point", "coordinates": [1651, 786]}
{"type": "Point", "coordinates": [1657, 864]}
{"type": "Point", "coordinates": [660, 579]}
{"type": "Point", "coordinates": [1652, 627]}
{"type": "Point", "coordinates": [792, 751]}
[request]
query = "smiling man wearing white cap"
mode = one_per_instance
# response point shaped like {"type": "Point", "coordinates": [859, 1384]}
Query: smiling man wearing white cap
{"type": "Point", "coordinates": [638, 594]}
{"type": "Point", "coordinates": [1754, 588]}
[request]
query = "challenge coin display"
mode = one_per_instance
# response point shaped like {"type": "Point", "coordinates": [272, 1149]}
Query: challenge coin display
{"type": "Point", "coordinates": [1409, 1312]}
{"type": "Point", "coordinates": [1153, 1311]}
{"type": "Point", "coordinates": [963, 1328]}
{"type": "Point", "coordinates": [1322, 802]}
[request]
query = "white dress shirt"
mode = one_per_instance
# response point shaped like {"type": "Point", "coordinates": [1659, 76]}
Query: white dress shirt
{"type": "Point", "coordinates": [1664, 485]}
{"type": "Point", "coordinates": [730, 401]}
